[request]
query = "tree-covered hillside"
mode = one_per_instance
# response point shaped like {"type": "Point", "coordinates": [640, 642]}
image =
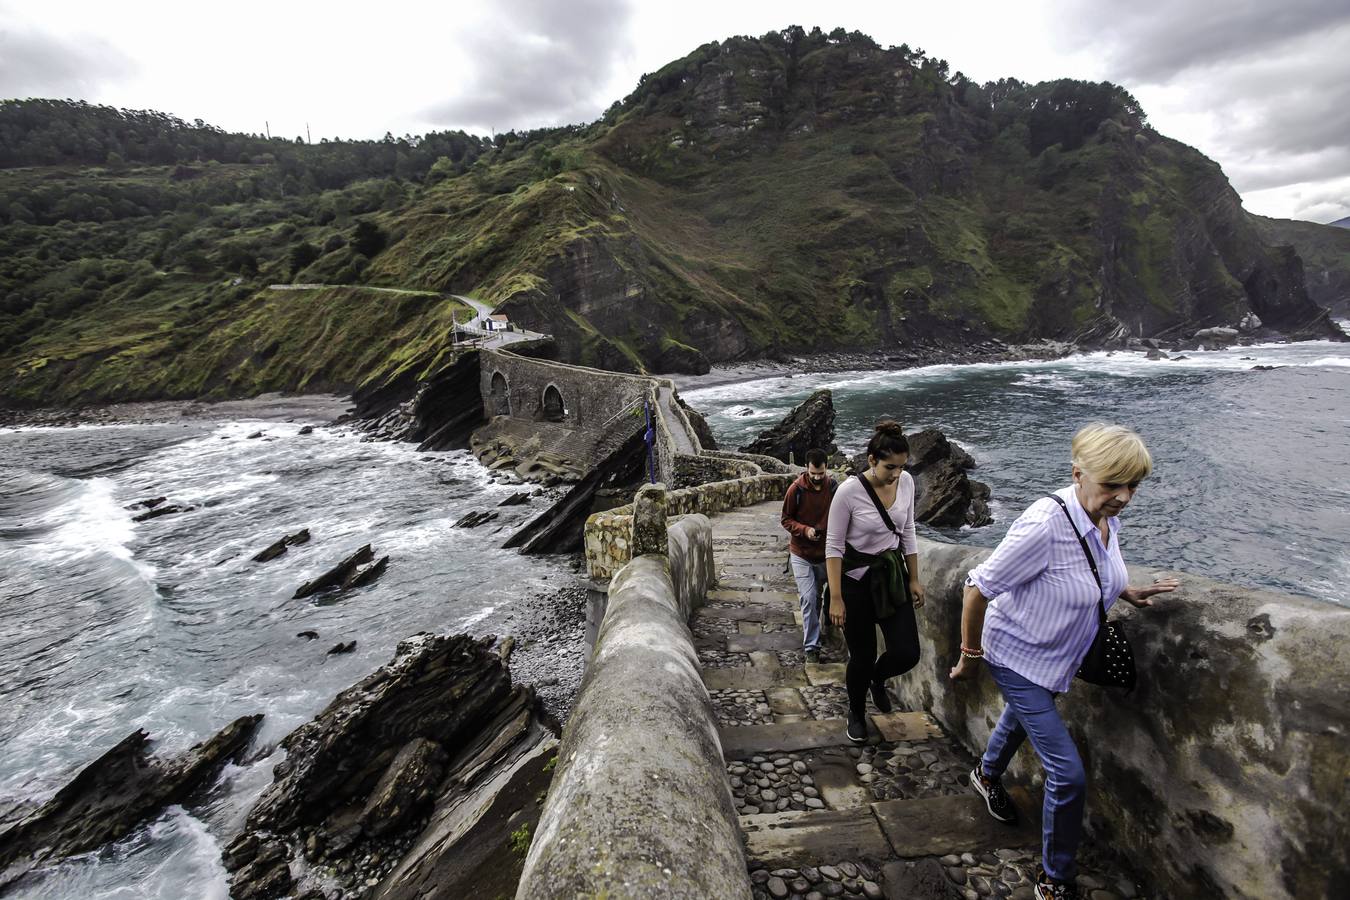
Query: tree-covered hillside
{"type": "Point", "coordinates": [798, 191]}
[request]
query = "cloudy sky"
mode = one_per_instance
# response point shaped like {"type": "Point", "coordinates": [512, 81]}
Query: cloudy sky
{"type": "Point", "coordinates": [1261, 86]}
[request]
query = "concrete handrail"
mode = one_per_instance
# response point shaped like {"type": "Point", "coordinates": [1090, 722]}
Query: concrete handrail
{"type": "Point", "coordinates": [1225, 768]}
{"type": "Point", "coordinates": [640, 805]}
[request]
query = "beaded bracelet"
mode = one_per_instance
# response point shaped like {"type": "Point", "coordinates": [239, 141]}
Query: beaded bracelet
{"type": "Point", "coordinates": [972, 654]}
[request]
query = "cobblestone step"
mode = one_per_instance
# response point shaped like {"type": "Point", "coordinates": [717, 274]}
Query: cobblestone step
{"type": "Point", "coordinates": [752, 679]}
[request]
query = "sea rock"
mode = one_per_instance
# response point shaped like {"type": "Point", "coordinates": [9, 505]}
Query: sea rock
{"type": "Point", "coordinates": [406, 787]}
{"type": "Point", "coordinates": [282, 545]}
{"type": "Point", "coordinates": [150, 503]}
{"type": "Point", "coordinates": [367, 575]}
{"type": "Point", "coordinates": [308, 635]}
{"type": "Point", "coordinates": [341, 647]}
{"type": "Point", "coordinates": [516, 499]}
{"type": "Point", "coordinates": [944, 495]}
{"type": "Point", "coordinates": [308, 429]}
{"type": "Point", "coordinates": [114, 794]}
{"type": "Point", "coordinates": [811, 424]}
{"type": "Point", "coordinates": [431, 737]}
{"type": "Point", "coordinates": [338, 577]}
{"type": "Point", "coordinates": [476, 518]}
{"type": "Point", "coordinates": [161, 510]}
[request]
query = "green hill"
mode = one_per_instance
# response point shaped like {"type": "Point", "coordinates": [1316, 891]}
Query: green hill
{"type": "Point", "coordinates": [794, 192]}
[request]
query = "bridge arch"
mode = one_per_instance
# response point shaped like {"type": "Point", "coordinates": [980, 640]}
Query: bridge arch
{"type": "Point", "coordinates": [551, 407]}
{"type": "Point", "coordinates": [499, 395]}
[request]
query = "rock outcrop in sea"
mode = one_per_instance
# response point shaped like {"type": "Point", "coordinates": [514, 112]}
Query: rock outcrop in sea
{"type": "Point", "coordinates": [809, 425]}
{"type": "Point", "coordinates": [409, 784]}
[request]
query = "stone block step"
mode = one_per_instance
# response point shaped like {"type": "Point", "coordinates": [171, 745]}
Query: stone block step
{"type": "Point", "coordinates": [777, 640]}
{"type": "Point", "coordinates": [746, 740]}
{"type": "Point", "coordinates": [759, 595]}
{"type": "Point", "coordinates": [932, 826]}
{"type": "Point", "coordinates": [817, 837]}
{"type": "Point", "coordinates": [752, 678]}
{"type": "Point", "coordinates": [760, 612]}
{"type": "Point", "coordinates": [906, 726]}
{"type": "Point", "coordinates": [826, 673]}
{"type": "Point", "coordinates": [727, 581]}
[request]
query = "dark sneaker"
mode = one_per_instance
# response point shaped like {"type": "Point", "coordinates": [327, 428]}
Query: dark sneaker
{"type": "Point", "coordinates": [857, 730]}
{"type": "Point", "coordinates": [813, 657]}
{"type": "Point", "coordinates": [991, 789]}
{"type": "Point", "coordinates": [880, 698]}
{"type": "Point", "coordinates": [1048, 888]}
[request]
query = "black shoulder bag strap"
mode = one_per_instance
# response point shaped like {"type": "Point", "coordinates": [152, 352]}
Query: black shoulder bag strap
{"type": "Point", "coordinates": [1109, 660]}
{"type": "Point", "coordinates": [1092, 563]}
{"type": "Point", "coordinates": [876, 501]}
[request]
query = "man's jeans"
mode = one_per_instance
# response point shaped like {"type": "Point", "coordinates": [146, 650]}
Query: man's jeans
{"type": "Point", "coordinates": [1031, 713]}
{"type": "Point", "coordinates": [810, 582]}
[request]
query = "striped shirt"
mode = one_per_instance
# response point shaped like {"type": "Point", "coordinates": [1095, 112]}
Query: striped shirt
{"type": "Point", "coordinates": [1043, 614]}
{"type": "Point", "coordinates": [854, 519]}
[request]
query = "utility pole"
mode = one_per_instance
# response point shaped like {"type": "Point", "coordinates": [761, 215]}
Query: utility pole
{"type": "Point", "coordinates": [307, 140]}
{"type": "Point", "coordinates": [268, 127]}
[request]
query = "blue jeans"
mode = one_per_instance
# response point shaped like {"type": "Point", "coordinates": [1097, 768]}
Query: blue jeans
{"type": "Point", "coordinates": [810, 579]}
{"type": "Point", "coordinates": [1031, 713]}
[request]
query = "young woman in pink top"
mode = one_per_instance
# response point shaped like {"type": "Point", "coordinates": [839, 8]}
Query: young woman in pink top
{"type": "Point", "coordinates": [855, 521]}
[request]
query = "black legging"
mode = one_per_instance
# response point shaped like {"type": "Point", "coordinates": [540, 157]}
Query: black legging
{"type": "Point", "coordinates": [902, 642]}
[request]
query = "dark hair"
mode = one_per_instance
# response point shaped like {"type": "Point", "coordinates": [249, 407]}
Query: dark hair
{"type": "Point", "coordinates": [887, 440]}
{"type": "Point", "coordinates": [816, 457]}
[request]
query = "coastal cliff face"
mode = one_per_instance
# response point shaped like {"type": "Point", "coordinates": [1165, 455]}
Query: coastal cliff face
{"type": "Point", "coordinates": [759, 197]}
{"type": "Point", "coordinates": [1325, 251]}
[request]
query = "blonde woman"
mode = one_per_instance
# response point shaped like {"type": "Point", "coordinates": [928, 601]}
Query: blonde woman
{"type": "Point", "coordinates": [1030, 614]}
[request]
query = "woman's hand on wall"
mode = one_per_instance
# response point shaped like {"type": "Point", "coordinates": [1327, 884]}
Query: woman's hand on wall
{"type": "Point", "coordinates": [1139, 597]}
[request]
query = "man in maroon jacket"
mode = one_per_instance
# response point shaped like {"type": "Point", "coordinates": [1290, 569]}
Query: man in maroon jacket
{"type": "Point", "coordinates": [806, 508]}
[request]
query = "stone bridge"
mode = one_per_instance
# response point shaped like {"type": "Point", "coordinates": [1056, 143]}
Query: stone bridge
{"type": "Point", "coordinates": [705, 759]}
{"type": "Point", "coordinates": [589, 412]}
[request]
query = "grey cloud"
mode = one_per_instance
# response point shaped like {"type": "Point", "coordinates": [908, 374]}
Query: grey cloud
{"type": "Point", "coordinates": [1274, 78]}
{"type": "Point", "coordinates": [1150, 41]}
{"type": "Point", "coordinates": [35, 63]}
{"type": "Point", "coordinates": [539, 62]}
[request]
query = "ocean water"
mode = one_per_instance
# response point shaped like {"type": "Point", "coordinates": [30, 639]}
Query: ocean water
{"type": "Point", "coordinates": [1251, 480]}
{"type": "Point", "coordinates": [107, 625]}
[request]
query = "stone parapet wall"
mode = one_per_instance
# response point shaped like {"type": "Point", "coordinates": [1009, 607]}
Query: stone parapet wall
{"type": "Point", "coordinates": [609, 534]}
{"type": "Point", "coordinates": [640, 805]}
{"type": "Point", "coordinates": [692, 471]}
{"type": "Point", "coordinates": [766, 463]}
{"type": "Point", "coordinates": [1226, 768]}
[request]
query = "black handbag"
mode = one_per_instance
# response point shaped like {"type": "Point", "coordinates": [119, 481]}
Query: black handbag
{"type": "Point", "coordinates": [1109, 661]}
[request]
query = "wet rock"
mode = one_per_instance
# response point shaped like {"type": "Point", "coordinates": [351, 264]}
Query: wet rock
{"type": "Point", "coordinates": [112, 795]}
{"type": "Point", "coordinates": [308, 635]}
{"type": "Point", "coordinates": [516, 499]}
{"type": "Point", "coordinates": [706, 439]}
{"type": "Point", "coordinates": [809, 425]}
{"type": "Point", "coordinates": [367, 575]}
{"type": "Point", "coordinates": [344, 575]}
{"type": "Point", "coordinates": [476, 518]}
{"type": "Point", "coordinates": [282, 545]}
{"type": "Point", "coordinates": [151, 503]}
{"type": "Point", "coordinates": [347, 647]}
{"type": "Point", "coordinates": [161, 510]}
{"type": "Point", "coordinates": [308, 429]}
{"type": "Point", "coordinates": [255, 435]}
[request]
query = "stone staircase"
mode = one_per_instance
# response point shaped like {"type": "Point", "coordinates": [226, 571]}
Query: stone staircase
{"type": "Point", "coordinates": [821, 817]}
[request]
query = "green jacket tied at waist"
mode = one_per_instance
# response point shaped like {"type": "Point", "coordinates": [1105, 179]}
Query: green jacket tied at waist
{"type": "Point", "coordinates": [890, 578]}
